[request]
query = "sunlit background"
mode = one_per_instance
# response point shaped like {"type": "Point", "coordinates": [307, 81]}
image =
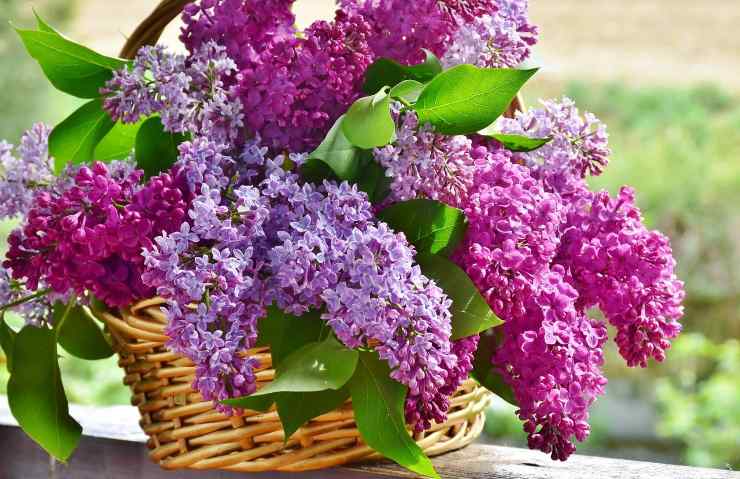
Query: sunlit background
{"type": "Point", "coordinates": [665, 76]}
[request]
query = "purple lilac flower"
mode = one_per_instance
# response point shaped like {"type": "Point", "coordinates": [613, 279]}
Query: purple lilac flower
{"type": "Point", "coordinates": [551, 355]}
{"type": "Point", "coordinates": [88, 235]}
{"type": "Point", "coordinates": [423, 163]}
{"type": "Point", "coordinates": [19, 177]}
{"type": "Point", "coordinates": [579, 145]}
{"type": "Point", "coordinates": [400, 32]}
{"type": "Point", "coordinates": [189, 93]}
{"type": "Point", "coordinates": [297, 88]}
{"type": "Point", "coordinates": [615, 262]}
{"type": "Point", "coordinates": [294, 87]}
{"type": "Point", "coordinates": [501, 39]}
{"type": "Point", "coordinates": [550, 352]}
{"type": "Point", "coordinates": [302, 247]}
{"type": "Point", "coordinates": [245, 27]}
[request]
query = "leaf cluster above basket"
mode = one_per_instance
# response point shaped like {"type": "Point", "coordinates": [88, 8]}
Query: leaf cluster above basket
{"type": "Point", "coordinates": [352, 196]}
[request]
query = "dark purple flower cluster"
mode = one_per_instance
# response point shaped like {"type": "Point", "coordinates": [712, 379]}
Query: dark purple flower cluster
{"type": "Point", "coordinates": [617, 264]}
{"type": "Point", "coordinates": [294, 87]}
{"type": "Point", "coordinates": [87, 234]}
{"type": "Point", "coordinates": [402, 29]}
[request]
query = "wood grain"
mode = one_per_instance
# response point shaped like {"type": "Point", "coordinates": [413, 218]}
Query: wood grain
{"type": "Point", "coordinates": [112, 448]}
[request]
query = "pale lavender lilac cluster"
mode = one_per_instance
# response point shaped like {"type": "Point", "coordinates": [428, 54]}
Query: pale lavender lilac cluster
{"type": "Point", "coordinates": [499, 39]}
{"type": "Point", "coordinates": [578, 145]}
{"type": "Point", "coordinates": [189, 93]}
{"type": "Point", "coordinates": [301, 247]}
{"type": "Point", "coordinates": [424, 163]}
{"type": "Point", "coordinates": [21, 175]}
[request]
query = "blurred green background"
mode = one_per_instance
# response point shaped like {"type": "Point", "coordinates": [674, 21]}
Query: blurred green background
{"type": "Point", "coordinates": [673, 111]}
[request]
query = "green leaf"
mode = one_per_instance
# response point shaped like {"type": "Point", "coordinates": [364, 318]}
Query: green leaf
{"type": "Point", "coordinates": [42, 25]}
{"type": "Point", "coordinates": [386, 72]}
{"type": "Point", "coordinates": [315, 367]}
{"type": "Point", "coordinates": [70, 67]}
{"type": "Point", "coordinates": [74, 140]}
{"type": "Point", "coordinates": [7, 340]}
{"type": "Point", "coordinates": [252, 402]}
{"type": "Point", "coordinates": [517, 143]}
{"type": "Point", "coordinates": [466, 99]}
{"type": "Point", "coordinates": [483, 370]}
{"type": "Point", "coordinates": [337, 152]}
{"type": "Point", "coordinates": [119, 143]}
{"type": "Point", "coordinates": [431, 226]}
{"type": "Point", "coordinates": [285, 333]}
{"type": "Point", "coordinates": [373, 180]}
{"type": "Point", "coordinates": [78, 334]}
{"type": "Point", "coordinates": [36, 394]}
{"type": "Point", "coordinates": [378, 403]}
{"type": "Point", "coordinates": [296, 409]}
{"type": "Point", "coordinates": [156, 149]}
{"type": "Point", "coordinates": [368, 122]}
{"type": "Point", "coordinates": [408, 90]}
{"type": "Point", "coordinates": [470, 312]}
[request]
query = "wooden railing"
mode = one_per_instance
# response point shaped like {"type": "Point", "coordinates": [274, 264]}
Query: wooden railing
{"type": "Point", "coordinates": [113, 448]}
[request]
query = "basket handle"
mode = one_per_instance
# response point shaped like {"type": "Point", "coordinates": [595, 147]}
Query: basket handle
{"type": "Point", "coordinates": [149, 31]}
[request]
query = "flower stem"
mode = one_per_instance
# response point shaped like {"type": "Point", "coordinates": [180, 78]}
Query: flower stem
{"type": "Point", "coordinates": [25, 299]}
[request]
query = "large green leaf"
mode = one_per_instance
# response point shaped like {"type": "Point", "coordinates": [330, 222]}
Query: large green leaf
{"type": "Point", "coordinates": [78, 334]}
{"type": "Point", "coordinates": [386, 72]}
{"type": "Point", "coordinates": [470, 312]}
{"type": "Point", "coordinates": [296, 409]}
{"type": "Point", "coordinates": [338, 153]}
{"type": "Point", "coordinates": [465, 99]}
{"type": "Point", "coordinates": [314, 367]}
{"type": "Point", "coordinates": [36, 395]}
{"type": "Point", "coordinates": [368, 122]}
{"type": "Point", "coordinates": [431, 226]}
{"type": "Point", "coordinates": [7, 340]}
{"type": "Point", "coordinates": [156, 149]}
{"type": "Point", "coordinates": [119, 143]}
{"type": "Point", "coordinates": [378, 403]}
{"type": "Point", "coordinates": [74, 140]}
{"type": "Point", "coordinates": [285, 333]}
{"type": "Point", "coordinates": [71, 68]}
{"type": "Point", "coordinates": [483, 370]}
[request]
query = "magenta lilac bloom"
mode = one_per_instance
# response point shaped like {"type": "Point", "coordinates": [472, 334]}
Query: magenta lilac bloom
{"type": "Point", "coordinates": [88, 235]}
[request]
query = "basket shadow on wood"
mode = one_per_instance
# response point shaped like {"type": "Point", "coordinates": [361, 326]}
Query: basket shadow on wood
{"type": "Point", "coordinates": [187, 432]}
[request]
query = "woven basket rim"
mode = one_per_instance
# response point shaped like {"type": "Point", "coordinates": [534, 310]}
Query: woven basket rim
{"type": "Point", "coordinates": [187, 432]}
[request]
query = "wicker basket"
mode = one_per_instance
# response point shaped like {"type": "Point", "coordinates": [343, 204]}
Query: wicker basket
{"type": "Point", "coordinates": [187, 432]}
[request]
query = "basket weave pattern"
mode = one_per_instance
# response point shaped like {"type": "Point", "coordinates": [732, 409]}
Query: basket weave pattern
{"type": "Point", "coordinates": [187, 432]}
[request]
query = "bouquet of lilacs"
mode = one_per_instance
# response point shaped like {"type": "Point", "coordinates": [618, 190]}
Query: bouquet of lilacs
{"type": "Point", "coordinates": [350, 195]}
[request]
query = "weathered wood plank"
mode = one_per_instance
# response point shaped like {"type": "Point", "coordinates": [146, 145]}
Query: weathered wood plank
{"type": "Point", "coordinates": [113, 449]}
